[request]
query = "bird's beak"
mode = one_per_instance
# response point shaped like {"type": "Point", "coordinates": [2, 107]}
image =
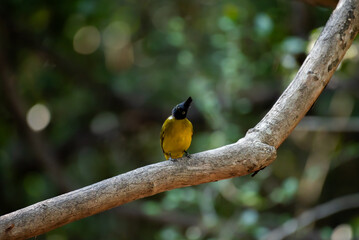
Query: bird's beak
{"type": "Point", "coordinates": [187, 103]}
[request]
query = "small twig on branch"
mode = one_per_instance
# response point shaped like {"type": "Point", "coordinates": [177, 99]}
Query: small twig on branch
{"type": "Point", "coordinates": [312, 215]}
{"type": "Point", "coordinates": [249, 154]}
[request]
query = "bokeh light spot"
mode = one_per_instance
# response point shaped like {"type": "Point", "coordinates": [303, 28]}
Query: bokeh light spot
{"type": "Point", "coordinates": [263, 24]}
{"type": "Point", "coordinates": [352, 52]}
{"type": "Point", "coordinates": [116, 35]}
{"type": "Point", "coordinates": [151, 208]}
{"type": "Point", "coordinates": [193, 233]}
{"type": "Point", "coordinates": [249, 217]}
{"type": "Point", "coordinates": [176, 24]}
{"type": "Point", "coordinates": [38, 117]}
{"type": "Point", "coordinates": [118, 49]}
{"type": "Point", "coordinates": [288, 61]}
{"type": "Point", "coordinates": [169, 234]}
{"type": "Point", "coordinates": [86, 40]}
{"type": "Point", "coordinates": [226, 24]}
{"type": "Point", "coordinates": [293, 45]}
{"type": "Point", "coordinates": [185, 57]}
{"type": "Point", "coordinates": [342, 232]}
{"type": "Point", "coordinates": [176, 39]}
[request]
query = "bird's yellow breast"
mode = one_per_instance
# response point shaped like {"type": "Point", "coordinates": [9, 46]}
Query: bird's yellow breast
{"type": "Point", "coordinates": [176, 137]}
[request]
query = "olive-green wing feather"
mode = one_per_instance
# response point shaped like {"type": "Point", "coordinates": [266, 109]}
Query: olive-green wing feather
{"type": "Point", "coordinates": [191, 127]}
{"type": "Point", "coordinates": [162, 135]}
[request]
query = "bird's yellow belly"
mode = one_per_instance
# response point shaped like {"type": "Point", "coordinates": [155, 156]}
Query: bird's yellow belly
{"type": "Point", "coordinates": [177, 139]}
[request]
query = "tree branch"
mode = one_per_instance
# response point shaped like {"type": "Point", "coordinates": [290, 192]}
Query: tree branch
{"type": "Point", "coordinates": [229, 161]}
{"type": "Point", "coordinates": [256, 150]}
{"type": "Point", "coordinates": [312, 77]}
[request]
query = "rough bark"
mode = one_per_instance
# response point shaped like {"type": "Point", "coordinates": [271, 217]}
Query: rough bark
{"type": "Point", "coordinates": [229, 161]}
{"type": "Point", "coordinates": [256, 150]}
{"type": "Point", "coordinates": [314, 74]}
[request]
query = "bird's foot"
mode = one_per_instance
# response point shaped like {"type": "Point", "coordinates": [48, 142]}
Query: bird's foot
{"type": "Point", "coordinates": [187, 154]}
{"type": "Point", "coordinates": [172, 159]}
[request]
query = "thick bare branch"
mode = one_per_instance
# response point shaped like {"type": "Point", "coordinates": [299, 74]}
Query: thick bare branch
{"type": "Point", "coordinates": [256, 150]}
{"type": "Point", "coordinates": [229, 161]}
{"type": "Point", "coordinates": [312, 77]}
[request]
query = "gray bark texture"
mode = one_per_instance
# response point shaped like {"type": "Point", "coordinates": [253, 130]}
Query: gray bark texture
{"type": "Point", "coordinates": [251, 153]}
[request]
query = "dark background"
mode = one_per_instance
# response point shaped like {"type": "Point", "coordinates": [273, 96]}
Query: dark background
{"type": "Point", "coordinates": [96, 80]}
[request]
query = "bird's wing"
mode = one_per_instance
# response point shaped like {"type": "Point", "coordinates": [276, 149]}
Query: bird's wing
{"type": "Point", "coordinates": [162, 135]}
{"type": "Point", "coordinates": [191, 128]}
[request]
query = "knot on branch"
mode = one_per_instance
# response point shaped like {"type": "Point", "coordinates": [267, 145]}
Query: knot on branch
{"type": "Point", "coordinates": [260, 154]}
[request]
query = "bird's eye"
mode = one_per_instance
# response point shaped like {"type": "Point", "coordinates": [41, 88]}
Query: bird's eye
{"type": "Point", "coordinates": [183, 112]}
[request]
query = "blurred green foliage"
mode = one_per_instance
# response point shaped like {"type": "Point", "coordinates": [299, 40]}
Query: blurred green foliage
{"type": "Point", "coordinates": [109, 73]}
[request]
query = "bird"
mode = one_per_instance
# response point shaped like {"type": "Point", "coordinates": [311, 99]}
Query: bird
{"type": "Point", "coordinates": [176, 133]}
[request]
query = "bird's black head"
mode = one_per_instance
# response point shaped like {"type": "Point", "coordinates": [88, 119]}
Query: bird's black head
{"type": "Point", "coordinates": [180, 111]}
